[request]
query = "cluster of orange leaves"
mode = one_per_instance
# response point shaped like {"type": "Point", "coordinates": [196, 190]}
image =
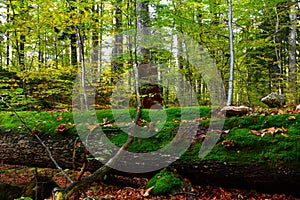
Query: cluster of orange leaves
{"type": "Point", "coordinates": [287, 109]}
{"type": "Point", "coordinates": [271, 130]}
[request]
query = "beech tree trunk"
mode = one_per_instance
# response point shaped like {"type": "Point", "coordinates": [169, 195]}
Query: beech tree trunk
{"type": "Point", "coordinates": [292, 55]}
{"type": "Point", "coordinates": [231, 79]}
{"type": "Point", "coordinates": [21, 149]}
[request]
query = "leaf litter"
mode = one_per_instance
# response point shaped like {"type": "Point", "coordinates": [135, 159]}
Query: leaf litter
{"type": "Point", "coordinates": [134, 188]}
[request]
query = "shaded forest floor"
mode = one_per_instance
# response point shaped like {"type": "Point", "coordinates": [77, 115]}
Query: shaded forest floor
{"type": "Point", "coordinates": [134, 188]}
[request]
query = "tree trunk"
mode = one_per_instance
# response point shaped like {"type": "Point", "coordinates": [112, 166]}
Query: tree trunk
{"type": "Point", "coordinates": [7, 37]}
{"type": "Point", "coordinates": [292, 55]}
{"type": "Point", "coordinates": [230, 84]}
{"type": "Point", "coordinates": [73, 41]}
{"type": "Point", "coordinates": [278, 51]}
{"type": "Point", "coordinates": [149, 90]}
{"type": "Point", "coordinates": [21, 149]}
{"type": "Point", "coordinates": [118, 41]}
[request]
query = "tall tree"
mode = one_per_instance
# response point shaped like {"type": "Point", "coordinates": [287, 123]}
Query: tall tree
{"type": "Point", "coordinates": [231, 76]}
{"type": "Point", "coordinates": [118, 39]}
{"type": "Point", "coordinates": [147, 73]}
{"type": "Point", "coordinates": [292, 53]}
{"type": "Point", "coordinates": [73, 37]}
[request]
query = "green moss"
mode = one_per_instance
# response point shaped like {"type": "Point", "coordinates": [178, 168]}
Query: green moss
{"type": "Point", "coordinates": [153, 143]}
{"type": "Point", "coordinates": [260, 122]}
{"type": "Point", "coordinates": [166, 133]}
{"type": "Point", "coordinates": [42, 121]}
{"type": "Point", "coordinates": [165, 182]}
{"type": "Point", "coordinates": [248, 148]}
{"type": "Point", "coordinates": [274, 150]}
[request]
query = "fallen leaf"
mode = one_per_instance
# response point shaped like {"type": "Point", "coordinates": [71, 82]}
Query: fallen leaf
{"type": "Point", "coordinates": [271, 130]}
{"type": "Point", "coordinates": [59, 118]}
{"type": "Point", "coordinates": [176, 120]}
{"type": "Point", "coordinates": [255, 132]}
{"type": "Point", "coordinates": [228, 143]}
{"type": "Point", "coordinates": [187, 181]}
{"type": "Point", "coordinates": [70, 124]}
{"type": "Point", "coordinates": [283, 130]}
{"type": "Point", "coordinates": [201, 118]}
{"type": "Point", "coordinates": [61, 128]}
{"type": "Point", "coordinates": [108, 125]}
{"type": "Point", "coordinates": [285, 135]}
{"type": "Point", "coordinates": [290, 111]}
{"type": "Point", "coordinates": [36, 132]}
{"type": "Point", "coordinates": [78, 144]}
{"type": "Point", "coordinates": [292, 117]}
{"type": "Point", "coordinates": [146, 194]}
{"type": "Point", "coordinates": [297, 110]}
{"type": "Point", "coordinates": [277, 112]}
{"type": "Point", "coordinates": [105, 120]}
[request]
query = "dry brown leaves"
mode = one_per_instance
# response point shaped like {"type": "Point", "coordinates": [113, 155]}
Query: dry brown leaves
{"type": "Point", "coordinates": [23, 175]}
{"type": "Point", "coordinates": [271, 130]}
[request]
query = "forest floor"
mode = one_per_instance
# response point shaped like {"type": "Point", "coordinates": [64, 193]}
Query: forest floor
{"type": "Point", "coordinates": [266, 136]}
{"type": "Point", "coordinates": [134, 188]}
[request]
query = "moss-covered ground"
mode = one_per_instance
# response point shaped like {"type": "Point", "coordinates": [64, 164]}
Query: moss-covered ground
{"type": "Point", "coordinates": [158, 182]}
{"type": "Point", "coordinates": [238, 144]}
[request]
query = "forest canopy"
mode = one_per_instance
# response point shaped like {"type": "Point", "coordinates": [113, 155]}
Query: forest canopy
{"type": "Point", "coordinates": [41, 54]}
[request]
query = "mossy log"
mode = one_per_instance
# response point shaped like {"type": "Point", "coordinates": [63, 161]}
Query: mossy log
{"type": "Point", "coordinates": [21, 149]}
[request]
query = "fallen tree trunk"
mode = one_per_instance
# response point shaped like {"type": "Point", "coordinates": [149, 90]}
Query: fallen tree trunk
{"type": "Point", "coordinates": [22, 149]}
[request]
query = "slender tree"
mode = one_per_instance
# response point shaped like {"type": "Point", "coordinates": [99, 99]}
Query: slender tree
{"type": "Point", "coordinates": [231, 76]}
{"type": "Point", "coordinates": [117, 50]}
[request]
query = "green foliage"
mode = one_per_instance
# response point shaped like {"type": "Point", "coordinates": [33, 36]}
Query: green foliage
{"type": "Point", "coordinates": [36, 57]}
{"type": "Point", "coordinates": [165, 182]}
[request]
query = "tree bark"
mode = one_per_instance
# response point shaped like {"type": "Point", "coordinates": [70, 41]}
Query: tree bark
{"type": "Point", "coordinates": [230, 84]}
{"type": "Point", "coordinates": [21, 149]}
{"type": "Point", "coordinates": [118, 40]}
{"type": "Point", "coordinates": [278, 52]}
{"type": "Point", "coordinates": [292, 54]}
{"type": "Point", "coordinates": [149, 90]}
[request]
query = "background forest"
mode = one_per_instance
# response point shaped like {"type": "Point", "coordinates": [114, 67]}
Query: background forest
{"type": "Point", "coordinates": [61, 54]}
{"type": "Point", "coordinates": [43, 43]}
